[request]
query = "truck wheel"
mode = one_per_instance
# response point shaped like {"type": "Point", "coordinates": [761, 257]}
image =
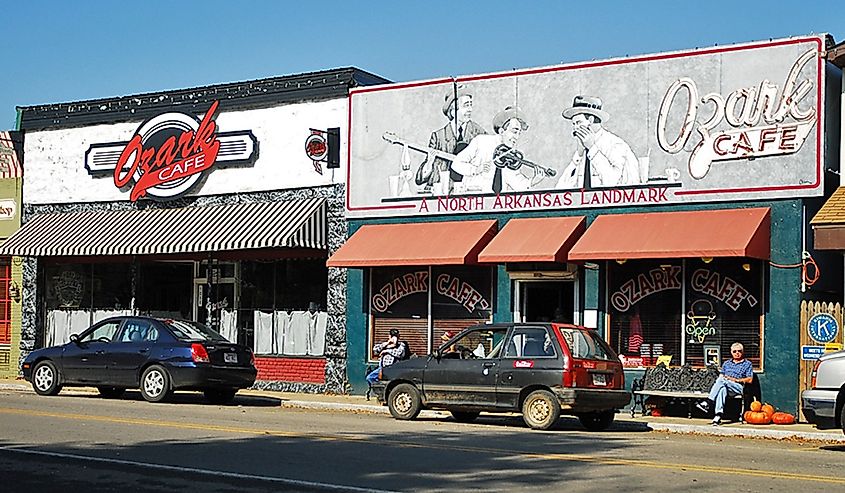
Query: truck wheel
{"type": "Point", "coordinates": [597, 421]}
{"type": "Point", "coordinates": [540, 410]}
{"type": "Point", "coordinates": [45, 379]}
{"type": "Point", "coordinates": [404, 402]}
{"type": "Point", "coordinates": [464, 416]}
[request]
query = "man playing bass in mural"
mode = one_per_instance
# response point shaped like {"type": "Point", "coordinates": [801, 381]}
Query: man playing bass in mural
{"type": "Point", "coordinates": [608, 159]}
{"type": "Point", "coordinates": [452, 138]}
{"type": "Point", "coordinates": [493, 163]}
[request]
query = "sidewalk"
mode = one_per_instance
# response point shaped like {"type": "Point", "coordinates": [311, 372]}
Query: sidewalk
{"type": "Point", "coordinates": [356, 403]}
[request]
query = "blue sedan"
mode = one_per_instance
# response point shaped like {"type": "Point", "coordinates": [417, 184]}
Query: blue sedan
{"type": "Point", "coordinates": [156, 355]}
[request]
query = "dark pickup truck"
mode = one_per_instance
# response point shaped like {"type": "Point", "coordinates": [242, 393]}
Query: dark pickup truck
{"type": "Point", "coordinates": [539, 369]}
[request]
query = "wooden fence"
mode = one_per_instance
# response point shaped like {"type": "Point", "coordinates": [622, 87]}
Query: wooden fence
{"type": "Point", "coordinates": [808, 309]}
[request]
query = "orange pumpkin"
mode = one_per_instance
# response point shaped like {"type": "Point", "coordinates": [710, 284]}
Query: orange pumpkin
{"type": "Point", "coordinates": [780, 418]}
{"type": "Point", "coordinates": [768, 409]}
{"type": "Point", "coordinates": [756, 405]}
{"type": "Point", "coordinates": [757, 418]}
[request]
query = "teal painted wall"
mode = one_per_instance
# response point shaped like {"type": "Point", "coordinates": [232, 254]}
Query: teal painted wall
{"type": "Point", "coordinates": [779, 379]}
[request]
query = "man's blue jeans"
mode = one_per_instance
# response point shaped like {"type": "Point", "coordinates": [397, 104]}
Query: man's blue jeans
{"type": "Point", "coordinates": [373, 376]}
{"type": "Point", "coordinates": [720, 391]}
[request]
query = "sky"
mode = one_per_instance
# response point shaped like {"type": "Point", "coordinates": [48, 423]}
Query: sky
{"type": "Point", "coordinates": [62, 51]}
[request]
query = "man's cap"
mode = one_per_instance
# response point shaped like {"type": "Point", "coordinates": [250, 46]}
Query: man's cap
{"type": "Point", "coordinates": [394, 332]}
{"type": "Point", "coordinates": [585, 105]}
{"type": "Point", "coordinates": [449, 100]}
{"type": "Point", "coordinates": [506, 114]}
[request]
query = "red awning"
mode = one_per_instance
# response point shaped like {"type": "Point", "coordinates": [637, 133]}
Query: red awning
{"type": "Point", "coordinates": [436, 243]}
{"type": "Point", "coordinates": [713, 233]}
{"type": "Point", "coordinates": [541, 239]}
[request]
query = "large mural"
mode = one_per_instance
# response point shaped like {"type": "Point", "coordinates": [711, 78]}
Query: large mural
{"type": "Point", "coordinates": [739, 122]}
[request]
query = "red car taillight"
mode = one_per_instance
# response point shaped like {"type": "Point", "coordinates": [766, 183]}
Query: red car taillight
{"type": "Point", "coordinates": [814, 374]}
{"type": "Point", "coordinates": [199, 354]}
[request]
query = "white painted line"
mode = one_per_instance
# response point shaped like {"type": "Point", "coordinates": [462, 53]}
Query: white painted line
{"type": "Point", "coordinates": [235, 475]}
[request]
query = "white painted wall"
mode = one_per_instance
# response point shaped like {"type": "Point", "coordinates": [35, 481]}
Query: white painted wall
{"type": "Point", "coordinates": [55, 160]}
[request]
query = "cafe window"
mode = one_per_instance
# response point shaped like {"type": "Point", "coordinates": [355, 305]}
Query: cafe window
{"type": "Point", "coordinates": [5, 301]}
{"type": "Point", "coordinates": [459, 296]}
{"type": "Point", "coordinates": [685, 312]}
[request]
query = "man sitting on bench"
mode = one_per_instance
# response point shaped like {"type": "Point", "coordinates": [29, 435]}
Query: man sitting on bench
{"type": "Point", "coordinates": [736, 372]}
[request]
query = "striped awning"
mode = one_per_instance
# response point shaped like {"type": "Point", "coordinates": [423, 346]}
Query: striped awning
{"type": "Point", "coordinates": [243, 226]}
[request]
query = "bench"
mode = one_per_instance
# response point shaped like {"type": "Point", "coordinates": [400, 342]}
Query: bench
{"type": "Point", "coordinates": [684, 384]}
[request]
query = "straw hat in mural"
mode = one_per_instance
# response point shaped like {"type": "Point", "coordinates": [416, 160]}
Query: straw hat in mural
{"type": "Point", "coordinates": [585, 105]}
{"type": "Point", "coordinates": [449, 100]}
{"type": "Point", "coordinates": [506, 114]}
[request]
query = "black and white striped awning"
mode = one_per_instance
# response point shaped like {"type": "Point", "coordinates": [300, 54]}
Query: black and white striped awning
{"type": "Point", "coordinates": [290, 223]}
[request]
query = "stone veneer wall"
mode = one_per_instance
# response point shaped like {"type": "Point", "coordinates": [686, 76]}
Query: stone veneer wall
{"type": "Point", "coordinates": [336, 379]}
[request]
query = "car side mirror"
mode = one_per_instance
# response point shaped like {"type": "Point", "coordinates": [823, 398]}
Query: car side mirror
{"type": "Point", "coordinates": [74, 338]}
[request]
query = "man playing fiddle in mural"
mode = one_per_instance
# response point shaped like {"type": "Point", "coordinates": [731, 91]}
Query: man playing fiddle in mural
{"type": "Point", "coordinates": [452, 138]}
{"type": "Point", "coordinates": [609, 159]}
{"type": "Point", "coordinates": [492, 163]}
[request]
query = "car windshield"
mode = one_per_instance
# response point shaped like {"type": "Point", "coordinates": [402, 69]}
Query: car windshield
{"type": "Point", "coordinates": [192, 331]}
{"type": "Point", "coordinates": [587, 344]}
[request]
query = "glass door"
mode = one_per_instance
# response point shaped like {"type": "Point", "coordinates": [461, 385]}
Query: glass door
{"type": "Point", "coordinates": [545, 301]}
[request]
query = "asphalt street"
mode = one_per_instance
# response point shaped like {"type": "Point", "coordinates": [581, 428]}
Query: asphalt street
{"type": "Point", "coordinates": [82, 442]}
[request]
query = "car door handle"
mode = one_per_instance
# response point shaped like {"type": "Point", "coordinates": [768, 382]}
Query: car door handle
{"type": "Point", "coordinates": [144, 350]}
{"type": "Point", "coordinates": [488, 365]}
{"type": "Point", "coordinates": [100, 351]}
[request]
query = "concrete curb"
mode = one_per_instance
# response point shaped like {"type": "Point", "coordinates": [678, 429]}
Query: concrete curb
{"type": "Point", "coordinates": [727, 430]}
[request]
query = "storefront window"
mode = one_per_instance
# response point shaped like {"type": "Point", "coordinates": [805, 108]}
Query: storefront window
{"type": "Point", "coordinates": [282, 306]}
{"type": "Point", "coordinates": [5, 302]}
{"type": "Point", "coordinates": [460, 296]}
{"type": "Point", "coordinates": [686, 312]}
{"type": "Point", "coordinates": [78, 295]}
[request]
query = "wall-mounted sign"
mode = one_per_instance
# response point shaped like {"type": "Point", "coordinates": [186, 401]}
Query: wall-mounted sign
{"type": "Point", "coordinates": [169, 154]}
{"type": "Point", "coordinates": [740, 122]}
{"type": "Point", "coordinates": [8, 209]}
{"type": "Point", "coordinates": [809, 353]}
{"type": "Point", "coordinates": [822, 327]}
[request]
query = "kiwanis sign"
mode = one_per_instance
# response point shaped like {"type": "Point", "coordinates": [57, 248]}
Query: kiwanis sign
{"type": "Point", "coordinates": [169, 154]}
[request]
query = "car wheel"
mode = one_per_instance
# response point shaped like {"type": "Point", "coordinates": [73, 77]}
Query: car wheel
{"type": "Point", "coordinates": [540, 410]}
{"type": "Point", "coordinates": [155, 384]}
{"type": "Point", "coordinates": [45, 379]}
{"type": "Point", "coordinates": [404, 402]}
{"type": "Point", "coordinates": [111, 392]}
{"type": "Point", "coordinates": [464, 416]}
{"type": "Point", "coordinates": [219, 396]}
{"type": "Point", "coordinates": [597, 421]}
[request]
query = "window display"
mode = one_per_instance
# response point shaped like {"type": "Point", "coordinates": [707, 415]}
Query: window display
{"type": "Point", "coordinates": [687, 311]}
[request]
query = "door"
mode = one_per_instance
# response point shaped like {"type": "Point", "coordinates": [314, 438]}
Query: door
{"type": "Point", "coordinates": [546, 301]}
{"type": "Point", "coordinates": [530, 358]}
{"type": "Point", "coordinates": [130, 352]}
{"type": "Point", "coordinates": [216, 297]}
{"type": "Point", "coordinates": [85, 361]}
{"type": "Point", "coordinates": [465, 374]}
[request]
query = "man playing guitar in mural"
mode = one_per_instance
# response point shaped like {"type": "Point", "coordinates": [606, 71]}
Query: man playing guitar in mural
{"type": "Point", "coordinates": [451, 139]}
{"type": "Point", "coordinates": [492, 163]}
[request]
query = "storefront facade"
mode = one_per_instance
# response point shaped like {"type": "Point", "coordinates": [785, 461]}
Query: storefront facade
{"type": "Point", "coordinates": [662, 199]}
{"type": "Point", "coordinates": [11, 176]}
{"type": "Point", "coordinates": [218, 204]}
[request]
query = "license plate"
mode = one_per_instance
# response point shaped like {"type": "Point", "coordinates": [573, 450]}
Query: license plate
{"type": "Point", "coordinates": [599, 379]}
{"type": "Point", "coordinates": [233, 358]}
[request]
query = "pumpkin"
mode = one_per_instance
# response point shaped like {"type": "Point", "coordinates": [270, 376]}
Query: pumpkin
{"type": "Point", "coordinates": [757, 418]}
{"type": "Point", "coordinates": [756, 405]}
{"type": "Point", "coordinates": [780, 418]}
{"type": "Point", "coordinates": [768, 409]}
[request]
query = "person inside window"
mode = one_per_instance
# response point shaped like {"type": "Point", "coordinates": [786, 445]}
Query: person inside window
{"type": "Point", "coordinates": [388, 352]}
{"type": "Point", "coordinates": [736, 372]}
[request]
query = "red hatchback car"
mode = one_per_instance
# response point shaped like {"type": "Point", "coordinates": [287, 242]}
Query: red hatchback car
{"type": "Point", "coordinates": [540, 369]}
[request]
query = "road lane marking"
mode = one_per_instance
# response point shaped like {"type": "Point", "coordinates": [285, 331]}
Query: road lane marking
{"type": "Point", "coordinates": [484, 450]}
{"type": "Point", "coordinates": [229, 475]}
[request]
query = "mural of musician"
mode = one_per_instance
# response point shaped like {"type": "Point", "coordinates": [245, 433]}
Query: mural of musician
{"type": "Point", "coordinates": [492, 163]}
{"type": "Point", "coordinates": [608, 158]}
{"type": "Point", "coordinates": [451, 138]}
